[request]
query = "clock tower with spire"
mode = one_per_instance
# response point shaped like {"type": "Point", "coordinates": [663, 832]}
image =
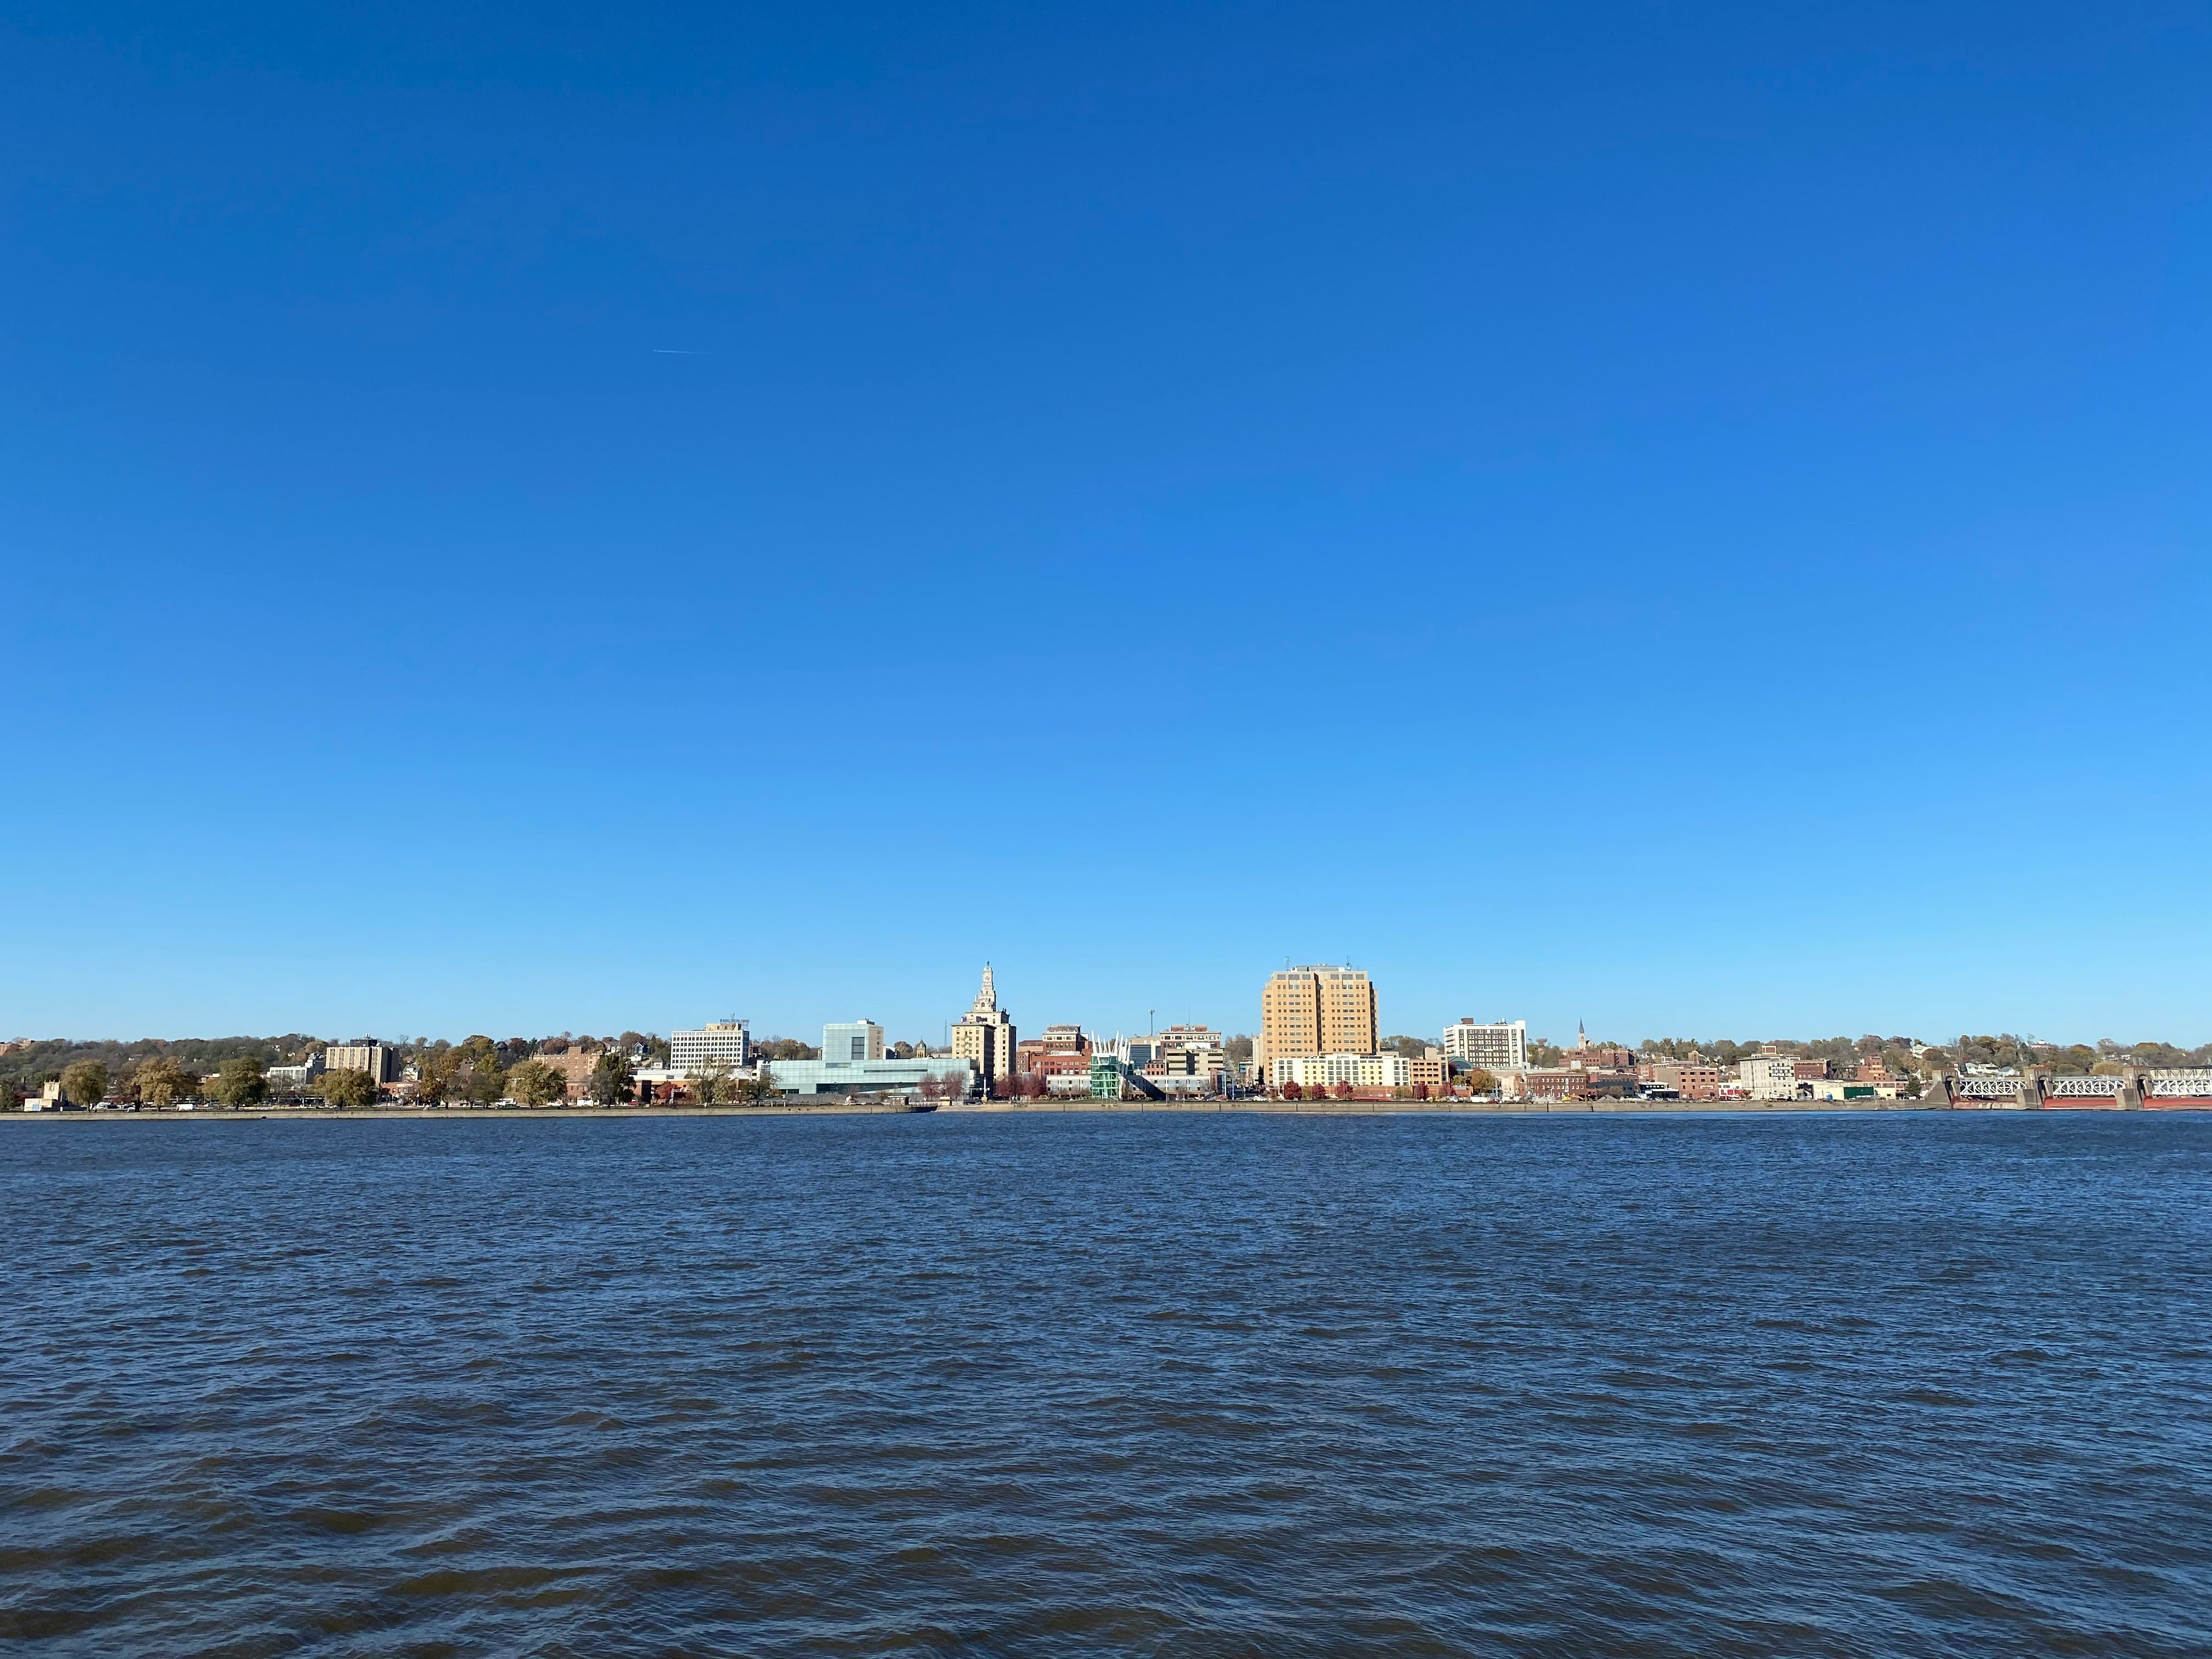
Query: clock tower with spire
{"type": "Point", "coordinates": [984, 1036]}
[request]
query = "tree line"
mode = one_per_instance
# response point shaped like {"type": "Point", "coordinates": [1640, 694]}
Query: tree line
{"type": "Point", "coordinates": [2105, 1057]}
{"type": "Point", "coordinates": [235, 1071]}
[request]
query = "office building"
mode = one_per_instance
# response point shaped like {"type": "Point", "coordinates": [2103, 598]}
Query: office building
{"type": "Point", "coordinates": [1187, 1059]}
{"type": "Point", "coordinates": [1063, 1051]}
{"type": "Point", "coordinates": [725, 1042]}
{"type": "Point", "coordinates": [1057, 1063]}
{"type": "Point", "coordinates": [382, 1064]}
{"type": "Point", "coordinates": [1500, 1045]}
{"type": "Point", "coordinates": [1549, 1083]}
{"type": "Point", "coordinates": [1689, 1080]}
{"type": "Point", "coordinates": [852, 1039]}
{"type": "Point", "coordinates": [984, 1036]}
{"type": "Point", "coordinates": [1312, 1072]}
{"type": "Point", "coordinates": [1769, 1077]}
{"type": "Point", "coordinates": [1317, 1011]}
{"type": "Point", "coordinates": [1188, 1051]}
{"type": "Point", "coordinates": [297, 1077]}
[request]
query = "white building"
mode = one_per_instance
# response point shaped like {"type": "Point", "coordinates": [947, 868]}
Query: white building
{"type": "Point", "coordinates": [297, 1077]}
{"type": "Point", "coordinates": [1837, 1088]}
{"type": "Point", "coordinates": [852, 1039]}
{"type": "Point", "coordinates": [725, 1041]}
{"type": "Point", "coordinates": [1769, 1077]}
{"type": "Point", "coordinates": [1500, 1045]}
{"type": "Point", "coordinates": [1327, 1071]}
{"type": "Point", "coordinates": [1182, 1085]}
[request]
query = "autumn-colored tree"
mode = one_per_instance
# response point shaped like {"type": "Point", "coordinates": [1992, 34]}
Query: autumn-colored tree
{"type": "Point", "coordinates": [477, 1075]}
{"type": "Point", "coordinates": [437, 1073]}
{"type": "Point", "coordinates": [780, 1048]}
{"type": "Point", "coordinates": [84, 1083]}
{"type": "Point", "coordinates": [243, 1082]}
{"type": "Point", "coordinates": [1342, 1091]}
{"type": "Point", "coordinates": [161, 1082]}
{"type": "Point", "coordinates": [612, 1079]}
{"type": "Point", "coordinates": [536, 1084]}
{"type": "Point", "coordinates": [1292, 1091]}
{"type": "Point", "coordinates": [713, 1085]}
{"type": "Point", "coordinates": [347, 1088]}
{"type": "Point", "coordinates": [1480, 1081]}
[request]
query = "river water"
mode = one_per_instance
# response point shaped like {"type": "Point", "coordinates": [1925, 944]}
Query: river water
{"type": "Point", "coordinates": [1178, 1384]}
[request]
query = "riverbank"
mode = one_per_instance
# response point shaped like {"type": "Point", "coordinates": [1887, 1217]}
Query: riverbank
{"type": "Point", "coordinates": [841, 1109]}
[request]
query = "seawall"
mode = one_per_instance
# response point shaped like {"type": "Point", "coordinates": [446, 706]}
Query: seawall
{"type": "Point", "coordinates": [839, 1109]}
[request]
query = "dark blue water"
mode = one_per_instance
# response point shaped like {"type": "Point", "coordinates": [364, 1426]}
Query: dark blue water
{"type": "Point", "coordinates": [1211, 1385]}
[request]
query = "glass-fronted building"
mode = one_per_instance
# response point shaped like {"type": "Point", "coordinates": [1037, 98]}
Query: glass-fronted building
{"type": "Point", "coordinates": [862, 1076]}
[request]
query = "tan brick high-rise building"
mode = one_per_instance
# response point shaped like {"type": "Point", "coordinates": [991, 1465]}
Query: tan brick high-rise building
{"type": "Point", "coordinates": [1317, 1011]}
{"type": "Point", "coordinates": [984, 1036]}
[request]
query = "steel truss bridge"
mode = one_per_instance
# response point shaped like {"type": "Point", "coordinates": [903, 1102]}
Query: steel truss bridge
{"type": "Point", "coordinates": [2133, 1091]}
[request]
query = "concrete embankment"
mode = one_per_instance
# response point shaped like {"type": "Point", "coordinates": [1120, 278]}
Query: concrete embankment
{"type": "Point", "coordinates": [1025, 1108]}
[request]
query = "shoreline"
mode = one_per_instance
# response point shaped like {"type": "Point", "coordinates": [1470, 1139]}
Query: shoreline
{"type": "Point", "coordinates": [1268, 1107]}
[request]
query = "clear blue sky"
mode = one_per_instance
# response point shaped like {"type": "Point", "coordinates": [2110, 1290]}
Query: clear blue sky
{"type": "Point", "coordinates": [551, 517]}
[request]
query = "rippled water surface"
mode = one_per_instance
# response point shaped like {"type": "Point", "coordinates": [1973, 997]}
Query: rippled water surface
{"type": "Point", "coordinates": [1177, 1384]}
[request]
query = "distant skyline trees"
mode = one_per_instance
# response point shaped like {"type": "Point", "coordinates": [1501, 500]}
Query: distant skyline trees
{"type": "Point", "coordinates": [162, 1073]}
{"type": "Point", "coordinates": [784, 1048]}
